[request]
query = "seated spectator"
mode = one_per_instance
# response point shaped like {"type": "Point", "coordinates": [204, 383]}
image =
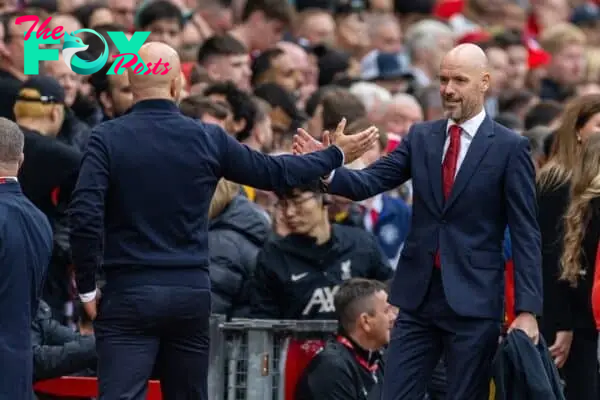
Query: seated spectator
{"type": "Point", "coordinates": [297, 275]}
{"type": "Point", "coordinates": [237, 230]}
{"type": "Point", "coordinates": [58, 350]}
{"type": "Point", "coordinates": [350, 365]}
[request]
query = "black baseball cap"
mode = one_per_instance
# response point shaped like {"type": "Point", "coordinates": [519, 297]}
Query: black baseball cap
{"type": "Point", "coordinates": [51, 92]}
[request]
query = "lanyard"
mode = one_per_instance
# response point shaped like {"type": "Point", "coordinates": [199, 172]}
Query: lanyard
{"type": "Point", "coordinates": [7, 179]}
{"type": "Point", "coordinates": [371, 368]}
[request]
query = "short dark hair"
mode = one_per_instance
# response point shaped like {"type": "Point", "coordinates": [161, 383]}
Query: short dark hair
{"type": "Point", "coordinates": [350, 302]}
{"type": "Point", "coordinates": [315, 186]}
{"type": "Point", "coordinates": [543, 114]}
{"type": "Point", "coordinates": [279, 10]}
{"type": "Point", "coordinates": [196, 106]}
{"type": "Point", "coordinates": [514, 100]}
{"type": "Point", "coordinates": [220, 45]}
{"type": "Point", "coordinates": [262, 63]}
{"type": "Point", "coordinates": [85, 12]}
{"type": "Point", "coordinates": [509, 38]}
{"type": "Point", "coordinates": [99, 80]}
{"type": "Point", "coordinates": [240, 102]}
{"type": "Point", "coordinates": [537, 138]}
{"type": "Point", "coordinates": [159, 10]}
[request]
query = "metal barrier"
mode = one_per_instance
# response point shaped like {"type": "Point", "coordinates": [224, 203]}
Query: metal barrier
{"type": "Point", "coordinates": [249, 360]}
{"type": "Point", "coordinates": [263, 358]}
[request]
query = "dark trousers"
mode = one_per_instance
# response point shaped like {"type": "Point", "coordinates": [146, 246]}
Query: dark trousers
{"type": "Point", "coordinates": [420, 338]}
{"type": "Point", "coordinates": [147, 326]}
{"type": "Point", "coordinates": [580, 372]}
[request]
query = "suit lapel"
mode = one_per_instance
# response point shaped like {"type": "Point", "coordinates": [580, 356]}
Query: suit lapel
{"type": "Point", "coordinates": [479, 146]}
{"type": "Point", "coordinates": [435, 149]}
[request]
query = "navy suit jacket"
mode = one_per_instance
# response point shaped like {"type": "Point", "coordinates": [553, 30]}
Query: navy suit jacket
{"type": "Point", "coordinates": [25, 251]}
{"type": "Point", "coordinates": [495, 186]}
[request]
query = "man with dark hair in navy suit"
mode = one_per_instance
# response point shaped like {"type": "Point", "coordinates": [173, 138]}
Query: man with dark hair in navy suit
{"type": "Point", "coordinates": [471, 177]}
{"type": "Point", "coordinates": [141, 209]}
{"type": "Point", "coordinates": [25, 251]}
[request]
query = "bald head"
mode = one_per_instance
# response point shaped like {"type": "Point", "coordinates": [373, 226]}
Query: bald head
{"type": "Point", "coordinates": [464, 81]}
{"type": "Point", "coordinates": [468, 55]}
{"type": "Point", "coordinates": [165, 79]}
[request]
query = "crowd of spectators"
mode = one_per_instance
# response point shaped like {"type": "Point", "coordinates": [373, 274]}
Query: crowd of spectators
{"type": "Point", "coordinates": [261, 69]}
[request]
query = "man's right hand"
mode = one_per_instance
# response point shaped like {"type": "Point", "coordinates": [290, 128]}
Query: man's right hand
{"type": "Point", "coordinates": [353, 146]}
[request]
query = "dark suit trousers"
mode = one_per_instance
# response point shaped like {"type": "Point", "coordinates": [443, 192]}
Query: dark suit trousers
{"type": "Point", "coordinates": [421, 337]}
{"type": "Point", "coordinates": [140, 327]}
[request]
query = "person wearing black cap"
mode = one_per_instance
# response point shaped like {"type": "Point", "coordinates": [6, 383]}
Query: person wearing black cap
{"type": "Point", "coordinates": [49, 174]}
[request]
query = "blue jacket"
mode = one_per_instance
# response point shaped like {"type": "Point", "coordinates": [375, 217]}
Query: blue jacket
{"type": "Point", "coordinates": [392, 226]}
{"type": "Point", "coordinates": [523, 371]}
{"type": "Point", "coordinates": [25, 250]}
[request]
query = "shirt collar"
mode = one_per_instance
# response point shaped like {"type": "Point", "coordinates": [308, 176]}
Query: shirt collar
{"type": "Point", "coordinates": [471, 126]}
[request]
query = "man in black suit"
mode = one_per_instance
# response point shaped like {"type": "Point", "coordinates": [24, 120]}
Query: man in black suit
{"type": "Point", "coordinates": [141, 206]}
{"type": "Point", "coordinates": [25, 250]}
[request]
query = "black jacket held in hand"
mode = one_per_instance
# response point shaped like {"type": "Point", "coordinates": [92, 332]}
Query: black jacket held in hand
{"type": "Point", "coordinates": [297, 279]}
{"type": "Point", "coordinates": [524, 371]}
{"type": "Point", "coordinates": [57, 349]}
{"type": "Point", "coordinates": [234, 239]}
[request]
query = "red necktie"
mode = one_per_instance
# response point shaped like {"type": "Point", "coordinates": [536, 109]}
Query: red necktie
{"type": "Point", "coordinates": [449, 171]}
{"type": "Point", "coordinates": [374, 216]}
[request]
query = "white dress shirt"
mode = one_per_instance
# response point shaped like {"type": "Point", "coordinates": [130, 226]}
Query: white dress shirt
{"type": "Point", "coordinates": [468, 130]}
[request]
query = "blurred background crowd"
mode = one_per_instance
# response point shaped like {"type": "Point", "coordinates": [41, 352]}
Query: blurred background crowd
{"type": "Point", "coordinates": [261, 69]}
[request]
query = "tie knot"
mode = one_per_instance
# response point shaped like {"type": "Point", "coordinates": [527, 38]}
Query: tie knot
{"type": "Point", "coordinates": [455, 131]}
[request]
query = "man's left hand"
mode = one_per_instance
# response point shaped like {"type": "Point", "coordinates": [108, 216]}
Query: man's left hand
{"type": "Point", "coordinates": [527, 323]}
{"type": "Point", "coordinates": [91, 307]}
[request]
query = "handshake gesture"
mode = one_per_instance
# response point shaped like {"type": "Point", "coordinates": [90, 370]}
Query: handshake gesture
{"type": "Point", "coordinates": [353, 146]}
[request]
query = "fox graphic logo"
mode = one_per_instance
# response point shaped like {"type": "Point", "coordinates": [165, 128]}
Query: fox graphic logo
{"type": "Point", "coordinates": [74, 45]}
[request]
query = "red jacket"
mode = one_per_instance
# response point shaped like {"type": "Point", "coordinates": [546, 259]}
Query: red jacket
{"type": "Point", "coordinates": [596, 291]}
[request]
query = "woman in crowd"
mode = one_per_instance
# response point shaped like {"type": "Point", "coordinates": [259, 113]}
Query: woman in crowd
{"type": "Point", "coordinates": [564, 325]}
{"type": "Point", "coordinates": [580, 244]}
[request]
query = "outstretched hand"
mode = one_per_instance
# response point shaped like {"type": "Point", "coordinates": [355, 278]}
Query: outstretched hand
{"type": "Point", "coordinates": [353, 146]}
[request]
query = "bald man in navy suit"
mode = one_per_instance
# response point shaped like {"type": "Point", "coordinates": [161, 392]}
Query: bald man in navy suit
{"type": "Point", "coordinates": [471, 178]}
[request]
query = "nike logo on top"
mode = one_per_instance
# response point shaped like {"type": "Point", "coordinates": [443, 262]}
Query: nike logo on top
{"type": "Point", "coordinates": [298, 276]}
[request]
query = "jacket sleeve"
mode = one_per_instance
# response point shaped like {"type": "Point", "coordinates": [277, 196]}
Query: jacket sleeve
{"type": "Point", "coordinates": [265, 296]}
{"type": "Point", "coordinates": [227, 272]}
{"type": "Point", "coordinates": [86, 212]}
{"type": "Point", "coordinates": [385, 174]}
{"type": "Point", "coordinates": [243, 165]}
{"type": "Point", "coordinates": [522, 210]}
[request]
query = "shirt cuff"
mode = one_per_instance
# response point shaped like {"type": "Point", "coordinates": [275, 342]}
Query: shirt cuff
{"type": "Point", "coordinates": [343, 156]}
{"type": "Point", "coordinates": [327, 179]}
{"type": "Point", "coordinates": [87, 297]}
